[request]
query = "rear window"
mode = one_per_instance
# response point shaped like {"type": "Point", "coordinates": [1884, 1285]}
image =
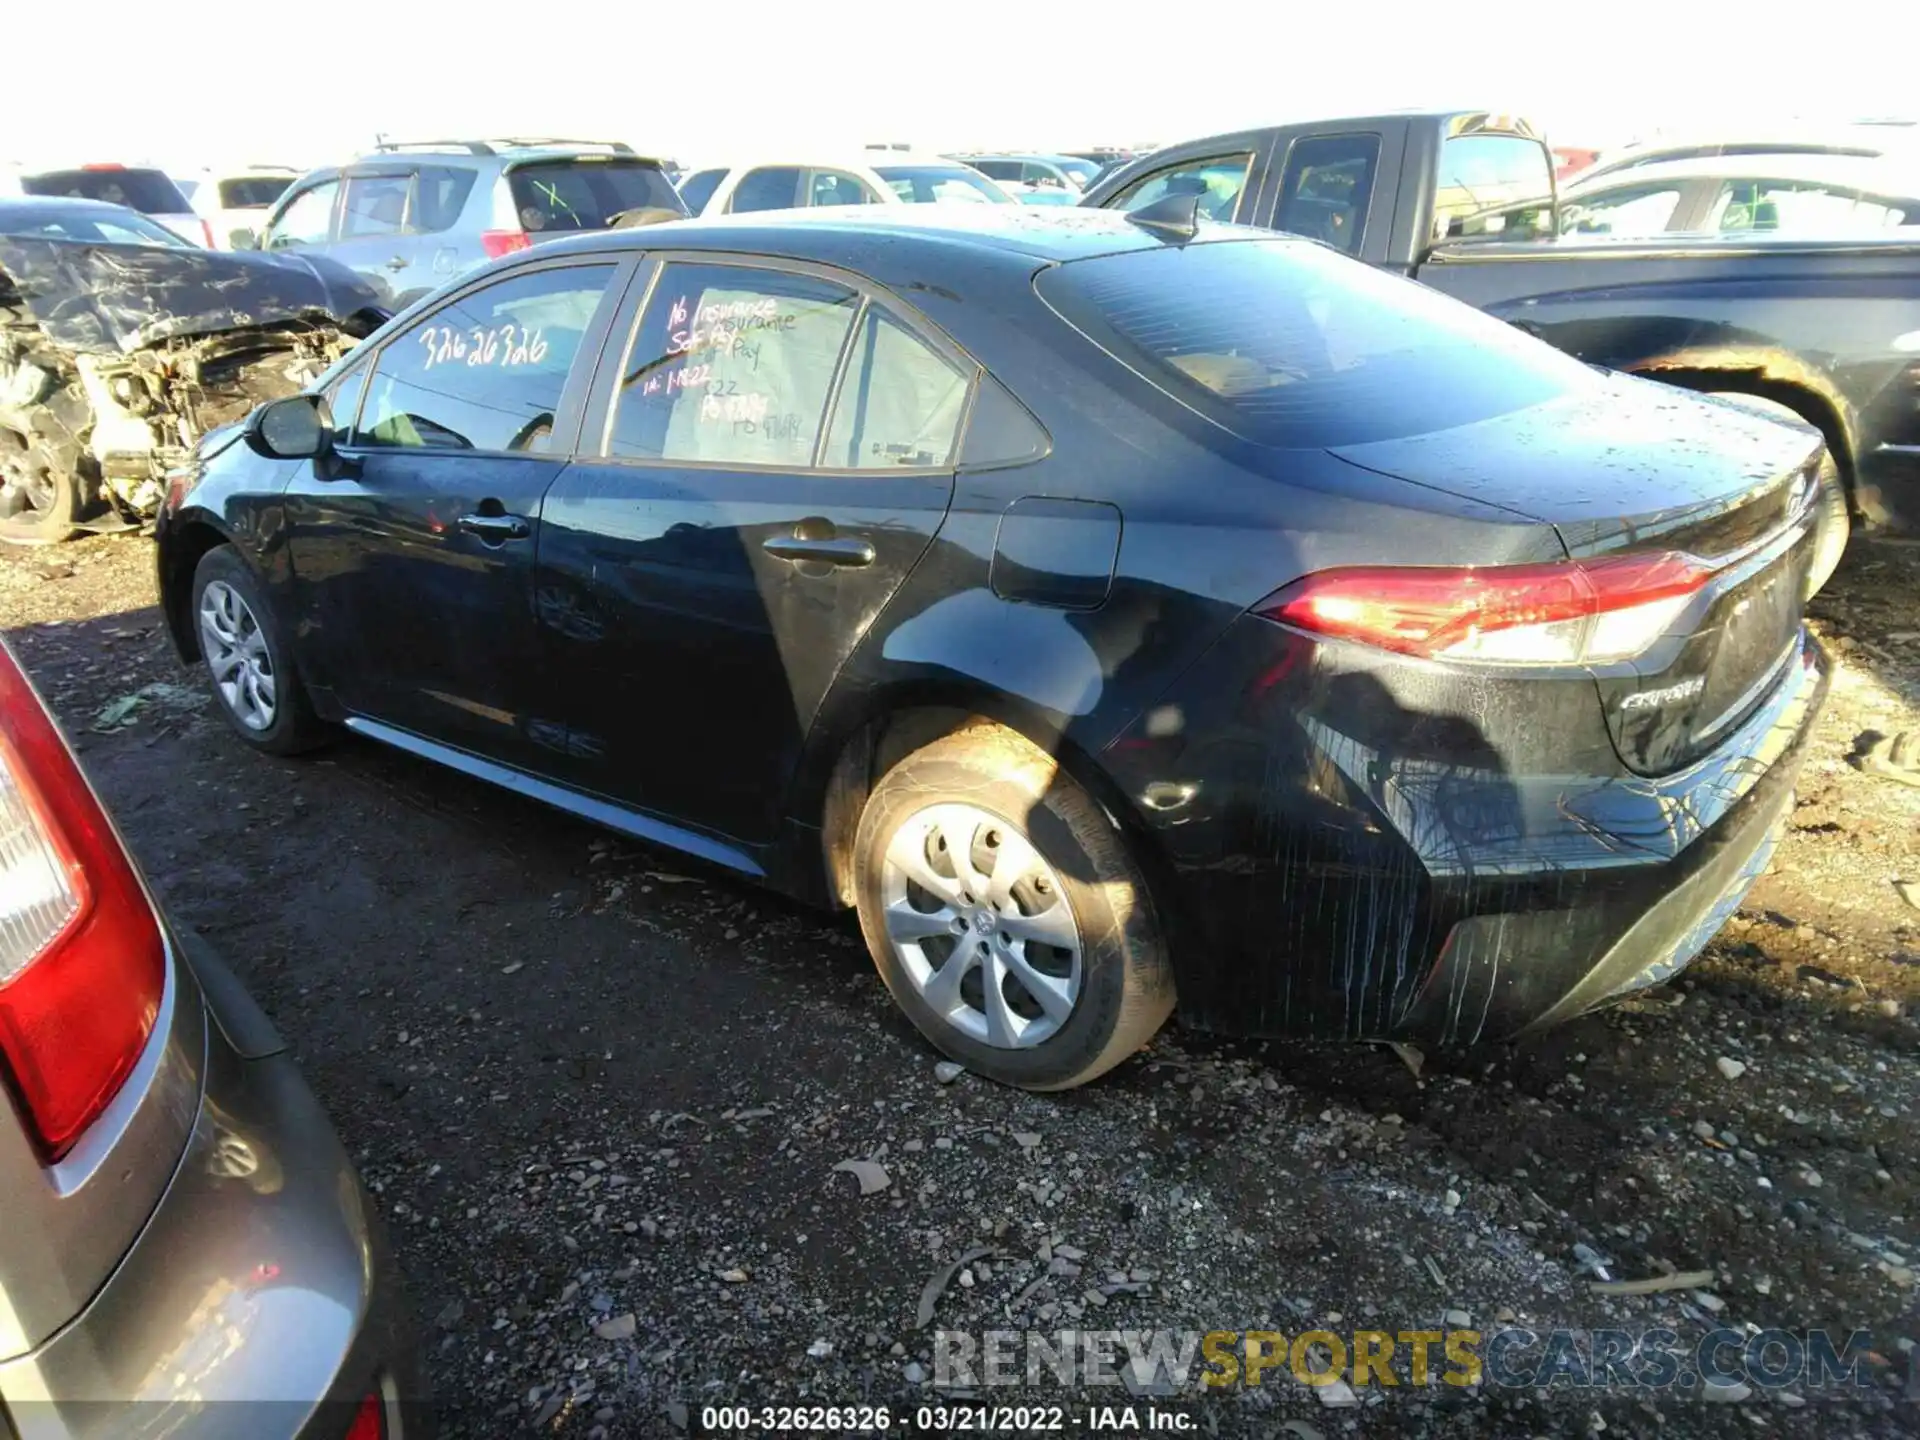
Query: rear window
{"type": "Point", "coordinates": [148, 191]}
{"type": "Point", "coordinates": [588, 194]}
{"type": "Point", "coordinates": [255, 192]}
{"type": "Point", "coordinates": [1288, 344]}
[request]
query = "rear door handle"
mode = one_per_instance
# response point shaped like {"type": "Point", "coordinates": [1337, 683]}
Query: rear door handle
{"type": "Point", "coordinates": [398, 262]}
{"type": "Point", "coordinates": [834, 551]}
{"type": "Point", "coordinates": [496, 529]}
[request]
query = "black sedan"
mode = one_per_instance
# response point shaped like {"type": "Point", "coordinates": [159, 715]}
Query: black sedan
{"type": "Point", "coordinates": [1110, 611]}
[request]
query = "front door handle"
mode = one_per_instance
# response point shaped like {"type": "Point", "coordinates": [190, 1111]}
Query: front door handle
{"type": "Point", "coordinates": [827, 550]}
{"type": "Point", "coordinates": [496, 529]}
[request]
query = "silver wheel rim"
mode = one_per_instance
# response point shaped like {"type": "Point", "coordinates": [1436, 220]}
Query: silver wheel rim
{"type": "Point", "coordinates": [237, 656]}
{"type": "Point", "coordinates": [980, 925]}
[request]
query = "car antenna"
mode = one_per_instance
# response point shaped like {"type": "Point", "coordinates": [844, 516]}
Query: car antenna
{"type": "Point", "coordinates": [1174, 216]}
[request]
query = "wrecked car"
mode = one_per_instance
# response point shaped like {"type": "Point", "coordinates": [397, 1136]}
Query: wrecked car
{"type": "Point", "coordinates": [121, 345]}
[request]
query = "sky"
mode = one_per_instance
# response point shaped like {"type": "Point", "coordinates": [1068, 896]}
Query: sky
{"type": "Point", "coordinates": [277, 82]}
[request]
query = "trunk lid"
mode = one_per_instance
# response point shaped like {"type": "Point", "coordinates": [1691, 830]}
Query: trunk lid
{"type": "Point", "coordinates": [1628, 465]}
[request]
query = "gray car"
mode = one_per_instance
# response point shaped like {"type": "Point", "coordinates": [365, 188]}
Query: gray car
{"type": "Point", "coordinates": [186, 1251]}
{"type": "Point", "coordinates": [413, 216]}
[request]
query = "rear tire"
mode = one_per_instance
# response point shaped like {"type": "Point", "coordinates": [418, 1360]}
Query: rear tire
{"type": "Point", "coordinates": [979, 851]}
{"type": "Point", "coordinates": [246, 658]}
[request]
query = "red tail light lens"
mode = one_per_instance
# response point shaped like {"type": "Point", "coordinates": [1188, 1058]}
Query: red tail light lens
{"type": "Point", "coordinates": [369, 1420]}
{"type": "Point", "coordinates": [82, 966]}
{"type": "Point", "coordinates": [1571, 612]}
{"type": "Point", "coordinates": [504, 242]}
{"type": "Point", "coordinates": [206, 229]}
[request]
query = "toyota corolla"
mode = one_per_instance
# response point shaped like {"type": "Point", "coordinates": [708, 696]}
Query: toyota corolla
{"type": "Point", "coordinates": [1119, 613]}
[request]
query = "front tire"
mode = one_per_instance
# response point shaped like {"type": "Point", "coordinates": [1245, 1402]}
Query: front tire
{"type": "Point", "coordinates": [248, 664]}
{"type": "Point", "coordinates": [1005, 915]}
{"type": "Point", "coordinates": [42, 500]}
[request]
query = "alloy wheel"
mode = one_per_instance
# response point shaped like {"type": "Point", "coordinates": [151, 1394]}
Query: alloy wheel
{"type": "Point", "coordinates": [237, 655]}
{"type": "Point", "coordinates": [980, 924]}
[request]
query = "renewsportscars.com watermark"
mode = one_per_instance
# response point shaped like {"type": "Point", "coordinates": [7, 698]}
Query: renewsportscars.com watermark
{"type": "Point", "coordinates": [1193, 1362]}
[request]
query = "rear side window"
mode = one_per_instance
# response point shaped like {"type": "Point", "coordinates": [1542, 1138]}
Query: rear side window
{"type": "Point", "coordinates": [376, 205]}
{"type": "Point", "coordinates": [773, 187]}
{"type": "Point", "coordinates": [255, 192]}
{"type": "Point", "coordinates": [697, 189]}
{"type": "Point", "coordinates": [486, 372]}
{"type": "Point", "coordinates": [732, 365]}
{"type": "Point", "coordinates": [1493, 187]}
{"type": "Point", "coordinates": [586, 194]}
{"type": "Point", "coordinates": [1218, 182]}
{"type": "Point", "coordinates": [900, 403]}
{"type": "Point", "coordinates": [148, 191]}
{"type": "Point", "coordinates": [836, 187]}
{"type": "Point", "coordinates": [1328, 184]}
{"type": "Point", "coordinates": [1291, 345]}
{"type": "Point", "coordinates": [439, 195]}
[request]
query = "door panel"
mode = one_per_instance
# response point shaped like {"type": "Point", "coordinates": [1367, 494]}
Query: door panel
{"type": "Point", "coordinates": [413, 547]}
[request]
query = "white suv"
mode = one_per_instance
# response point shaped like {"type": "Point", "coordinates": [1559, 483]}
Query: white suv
{"type": "Point", "coordinates": [870, 177]}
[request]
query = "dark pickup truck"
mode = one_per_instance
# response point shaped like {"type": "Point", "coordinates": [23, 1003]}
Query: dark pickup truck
{"type": "Point", "coordinates": [1465, 202]}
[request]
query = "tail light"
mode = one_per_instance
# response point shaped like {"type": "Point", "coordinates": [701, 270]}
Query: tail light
{"type": "Point", "coordinates": [206, 229]}
{"type": "Point", "coordinates": [504, 242]}
{"type": "Point", "coordinates": [369, 1420]}
{"type": "Point", "coordinates": [82, 966]}
{"type": "Point", "coordinates": [1579, 612]}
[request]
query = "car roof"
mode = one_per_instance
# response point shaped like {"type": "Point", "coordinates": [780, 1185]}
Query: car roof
{"type": "Point", "coordinates": [1880, 175]}
{"type": "Point", "coordinates": [829, 157]}
{"type": "Point", "coordinates": [515, 151]}
{"type": "Point", "coordinates": [1024, 234]}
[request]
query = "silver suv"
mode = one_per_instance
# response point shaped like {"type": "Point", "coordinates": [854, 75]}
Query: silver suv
{"type": "Point", "coordinates": [412, 216]}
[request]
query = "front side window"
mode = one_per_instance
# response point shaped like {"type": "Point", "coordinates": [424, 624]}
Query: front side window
{"type": "Point", "coordinates": [308, 218]}
{"type": "Point", "coordinates": [1291, 345]}
{"type": "Point", "coordinates": [732, 365]}
{"type": "Point", "coordinates": [1328, 185]}
{"type": "Point", "coordinates": [900, 403]}
{"type": "Point", "coordinates": [837, 187]}
{"type": "Point", "coordinates": [1493, 187]}
{"type": "Point", "coordinates": [376, 205]}
{"type": "Point", "coordinates": [1631, 210]}
{"type": "Point", "coordinates": [1218, 182]}
{"type": "Point", "coordinates": [487, 371]}
{"type": "Point", "coordinates": [772, 187]}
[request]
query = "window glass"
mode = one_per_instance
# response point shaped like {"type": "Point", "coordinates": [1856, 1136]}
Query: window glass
{"type": "Point", "coordinates": [997, 169]}
{"type": "Point", "coordinates": [254, 192]}
{"type": "Point", "coordinates": [941, 184]}
{"type": "Point", "coordinates": [1082, 171]}
{"type": "Point", "coordinates": [587, 193]}
{"type": "Point", "coordinates": [376, 205]}
{"type": "Point", "coordinates": [732, 365]}
{"type": "Point", "coordinates": [343, 401]}
{"type": "Point", "coordinates": [1217, 181]}
{"type": "Point", "coordinates": [836, 187]}
{"type": "Point", "coordinates": [1289, 344]}
{"type": "Point", "coordinates": [900, 403]}
{"type": "Point", "coordinates": [1801, 207]}
{"type": "Point", "coordinates": [148, 191]}
{"type": "Point", "coordinates": [439, 195]}
{"type": "Point", "coordinates": [486, 372]}
{"type": "Point", "coordinates": [1630, 210]}
{"type": "Point", "coordinates": [111, 227]}
{"type": "Point", "coordinates": [697, 189]}
{"type": "Point", "coordinates": [769, 188]}
{"type": "Point", "coordinates": [1328, 184]}
{"type": "Point", "coordinates": [307, 218]}
{"type": "Point", "coordinates": [1493, 187]}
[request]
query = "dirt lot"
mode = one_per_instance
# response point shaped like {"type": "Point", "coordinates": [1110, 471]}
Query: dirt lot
{"type": "Point", "coordinates": [589, 1082]}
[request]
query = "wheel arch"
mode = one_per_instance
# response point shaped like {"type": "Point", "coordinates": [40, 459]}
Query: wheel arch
{"type": "Point", "coordinates": [188, 541]}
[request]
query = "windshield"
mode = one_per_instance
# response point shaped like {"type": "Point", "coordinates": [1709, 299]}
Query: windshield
{"type": "Point", "coordinates": [939, 184]}
{"type": "Point", "coordinates": [587, 194]}
{"type": "Point", "coordinates": [87, 225]}
{"type": "Point", "coordinates": [148, 191]}
{"type": "Point", "coordinates": [1289, 344]}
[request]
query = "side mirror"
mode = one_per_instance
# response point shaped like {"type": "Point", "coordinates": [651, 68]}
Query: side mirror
{"type": "Point", "coordinates": [243, 238]}
{"type": "Point", "coordinates": [296, 428]}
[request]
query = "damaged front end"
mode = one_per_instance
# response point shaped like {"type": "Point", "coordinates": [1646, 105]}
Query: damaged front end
{"type": "Point", "coordinates": [115, 359]}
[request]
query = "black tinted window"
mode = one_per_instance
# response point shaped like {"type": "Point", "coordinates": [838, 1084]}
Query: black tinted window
{"type": "Point", "coordinates": [439, 195]}
{"type": "Point", "coordinates": [900, 402]}
{"type": "Point", "coordinates": [1493, 187]}
{"type": "Point", "coordinates": [697, 189]}
{"type": "Point", "coordinates": [732, 365]}
{"type": "Point", "coordinates": [148, 191]}
{"type": "Point", "coordinates": [1217, 180]}
{"type": "Point", "coordinates": [586, 194]}
{"type": "Point", "coordinates": [256, 192]}
{"type": "Point", "coordinates": [486, 372]}
{"type": "Point", "coordinates": [1328, 183]}
{"type": "Point", "coordinates": [770, 188]}
{"type": "Point", "coordinates": [1291, 345]}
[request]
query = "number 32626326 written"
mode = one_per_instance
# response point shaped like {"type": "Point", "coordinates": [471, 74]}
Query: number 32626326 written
{"type": "Point", "coordinates": [503, 345]}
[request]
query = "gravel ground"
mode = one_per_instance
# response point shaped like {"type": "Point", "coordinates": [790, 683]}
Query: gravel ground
{"type": "Point", "coordinates": [600, 1095]}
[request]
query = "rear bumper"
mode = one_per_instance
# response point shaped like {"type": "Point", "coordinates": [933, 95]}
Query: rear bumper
{"type": "Point", "coordinates": [1323, 878]}
{"type": "Point", "coordinates": [259, 1302]}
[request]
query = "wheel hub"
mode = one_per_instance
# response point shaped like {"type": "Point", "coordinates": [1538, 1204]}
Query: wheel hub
{"type": "Point", "coordinates": [237, 656]}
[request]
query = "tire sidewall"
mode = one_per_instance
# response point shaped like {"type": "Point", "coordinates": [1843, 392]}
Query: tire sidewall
{"type": "Point", "coordinates": [289, 731]}
{"type": "Point", "coordinates": [1048, 815]}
